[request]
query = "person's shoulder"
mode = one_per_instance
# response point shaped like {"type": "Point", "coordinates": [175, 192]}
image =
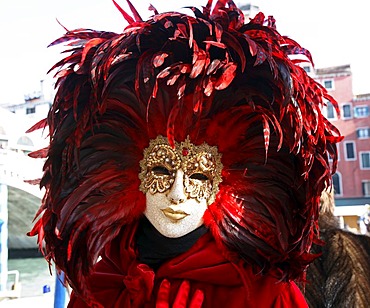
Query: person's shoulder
{"type": "Point", "coordinates": [343, 242]}
{"type": "Point", "coordinates": [340, 274]}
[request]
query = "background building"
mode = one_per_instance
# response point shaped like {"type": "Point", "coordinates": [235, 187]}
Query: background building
{"type": "Point", "coordinates": [352, 180]}
{"type": "Point", "coordinates": [16, 168]}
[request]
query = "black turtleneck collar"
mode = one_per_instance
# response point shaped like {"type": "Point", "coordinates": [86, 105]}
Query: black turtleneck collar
{"type": "Point", "coordinates": [154, 248]}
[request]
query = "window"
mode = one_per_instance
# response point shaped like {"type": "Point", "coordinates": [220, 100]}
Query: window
{"type": "Point", "coordinates": [329, 84]}
{"type": "Point", "coordinates": [330, 111]}
{"type": "Point", "coordinates": [30, 110]}
{"type": "Point", "coordinates": [363, 132]}
{"type": "Point", "coordinates": [349, 150]}
{"type": "Point", "coordinates": [337, 183]}
{"type": "Point", "coordinates": [246, 7]}
{"type": "Point", "coordinates": [307, 69]}
{"type": "Point", "coordinates": [347, 111]}
{"type": "Point", "coordinates": [366, 188]}
{"type": "Point", "coordinates": [365, 160]}
{"type": "Point", "coordinates": [25, 141]}
{"type": "Point", "coordinates": [361, 111]}
{"type": "Point", "coordinates": [338, 154]}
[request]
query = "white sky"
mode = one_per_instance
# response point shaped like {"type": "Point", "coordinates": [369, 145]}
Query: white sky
{"type": "Point", "coordinates": [336, 33]}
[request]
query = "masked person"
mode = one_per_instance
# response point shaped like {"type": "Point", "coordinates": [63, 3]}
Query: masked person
{"type": "Point", "coordinates": [187, 156]}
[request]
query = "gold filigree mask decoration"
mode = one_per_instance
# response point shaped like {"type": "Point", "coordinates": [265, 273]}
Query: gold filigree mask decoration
{"type": "Point", "coordinates": [201, 166]}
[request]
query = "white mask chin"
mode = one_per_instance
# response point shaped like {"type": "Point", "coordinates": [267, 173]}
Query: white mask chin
{"type": "Point", "coordinates": [172, 212]}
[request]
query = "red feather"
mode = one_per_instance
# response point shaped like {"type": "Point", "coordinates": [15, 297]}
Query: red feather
{"type": "Point", "coordinates": [39, 125]}
{"type": "Point", "coordinates": [126, 16]}
{"type": "Point", "coordinates": [42, 153]}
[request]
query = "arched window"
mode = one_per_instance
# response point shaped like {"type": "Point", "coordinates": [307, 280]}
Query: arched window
{"type": "Point", "coordinates": [337, 183]}
{"type": "Point", "coordinates": [25, 141]}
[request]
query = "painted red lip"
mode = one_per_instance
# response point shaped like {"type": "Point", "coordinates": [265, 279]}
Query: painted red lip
{"type": "Point", "coordinates": [174, 215]}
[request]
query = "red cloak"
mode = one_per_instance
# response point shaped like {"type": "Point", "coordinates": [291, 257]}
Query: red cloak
{"type": "Point", "coordinates": [119, 280]}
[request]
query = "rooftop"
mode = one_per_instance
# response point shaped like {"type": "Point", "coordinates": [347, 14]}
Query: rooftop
{"type": "Point", "coordinates": [334, 70]}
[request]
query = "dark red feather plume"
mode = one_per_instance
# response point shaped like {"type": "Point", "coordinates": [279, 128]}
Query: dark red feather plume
{"type": "Point", "coordinates": [220, 81]}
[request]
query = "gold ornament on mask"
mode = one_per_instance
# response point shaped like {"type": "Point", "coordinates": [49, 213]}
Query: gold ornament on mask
{"type": "Point", "coordinates": [201, 165]}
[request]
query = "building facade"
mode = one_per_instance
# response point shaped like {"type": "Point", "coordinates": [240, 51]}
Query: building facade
{"type": "Point", "coordinates": [351, 182]}
{"type": "Point", "coordinates": [352, 179]}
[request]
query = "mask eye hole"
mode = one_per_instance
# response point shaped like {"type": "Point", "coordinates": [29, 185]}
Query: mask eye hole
{"type": "Point", "coordinates": [160, 170]}
{"type": "Point", "coordinates": [199, 176]}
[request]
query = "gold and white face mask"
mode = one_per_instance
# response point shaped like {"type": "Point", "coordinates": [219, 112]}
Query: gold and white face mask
{"type": "Point", "coordinates": [201, 166]}
{"type": "Point", "coordinates": [179, 184]}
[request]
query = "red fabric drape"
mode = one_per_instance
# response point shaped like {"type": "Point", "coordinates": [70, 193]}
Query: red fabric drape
{"type": "Point", "coordinates": [120, 281]}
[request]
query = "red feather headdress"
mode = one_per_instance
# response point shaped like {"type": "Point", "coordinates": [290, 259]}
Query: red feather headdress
{"type": "Point", "coordinates": [211, 77]}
